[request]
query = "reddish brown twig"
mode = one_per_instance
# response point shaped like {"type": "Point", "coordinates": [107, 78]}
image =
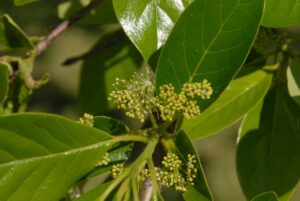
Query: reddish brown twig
{"type": "Point", "coordinates": [64, 25]}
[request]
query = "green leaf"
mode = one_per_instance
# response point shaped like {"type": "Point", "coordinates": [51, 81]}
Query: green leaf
{"type": "Point", "coordinates": [281, 13]}
{"type": "Point", "coordinates": [210, 41]}
{"type": "Point", "coordinates": [23, 2]}
{"type": "Point", "coordinates": [93, 194]}
{"type": "Point", "coordinates": [102, 14]}
{"type": "Point", "coordinates": [240, 96]}
{"type": "Point", "coordinates": [293, 76]}
{"type": "Point", "coordinates": [148, 22]}
{"type": "Point", "coordinates": [3, 82]}
{"type": "Point", "coordinates": [184, 147]}
{"type": "Point", "coordinates": [251, 120]}
{"type": "Point", "coordinates": [110, 125]}
{"type": "Point", "coordinates": [119, 152]}
{"type": "Point", "coordinates": [268, 157]}
{"type": "Point", "coordinates": [269, 196]}
{"type": "Point", "coordinates": [44, 155]}
{"type": "Point", "coordinates": [98, 73]}
{"type": "Point", "coordinates": [193, 194]}
{"type": "Point", "coordinates": [11, 36]}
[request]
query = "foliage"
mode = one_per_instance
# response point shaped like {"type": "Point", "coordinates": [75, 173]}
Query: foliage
{"type": "Point", "coordinates": [172, 71]}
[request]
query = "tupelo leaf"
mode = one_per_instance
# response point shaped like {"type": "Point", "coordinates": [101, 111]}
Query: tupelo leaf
{"type": "Point", "coordinates": [148, 22]}
{"type": "Point", "coordinates": [270, 147]}
{"type": "Point", "coordinates": [93, 194]}
{"type": "Point", "coordinates": [210, 41]}
{"type": "Point", "coordinates": [11, 36]}
{"type": "Point", "coordinates": [183, 146]}
{"type": "Point", "coordinates": [119, 152]}
{"type": "Point", "coordinates": [44, 155]}
{"type": "Point", "coordinates": [109, 125]}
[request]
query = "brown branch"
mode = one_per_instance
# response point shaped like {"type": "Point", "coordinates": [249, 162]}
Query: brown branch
{"type": "Point", "coordinates": [117, 37]}
{"type": "Point", "coordinates": [64, 25]}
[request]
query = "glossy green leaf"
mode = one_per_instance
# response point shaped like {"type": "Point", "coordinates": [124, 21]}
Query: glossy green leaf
{"type": "Point", "coordinates": [41, 156]}
{"type": "Point", "coordinates": [3, 82]}
{"type": "Point", "coordinates": [268, 157]}
{"type": "Point", "coordinates": [281, 13]}
{"type": "Point", "coordinates": [11, 36]}
{"type": "Point", "coordinates": [293, 75]}
{"type": "Point", "coordinates": [148, 22]}
{"type": "Point", "coordinates": [184, 147]}
{"type": "Point", "coordinates": [240, 96]}
{"type": "Point", "coordinates": [210, 41]}
{"type": "Point", "coordinates": [269, 196]}
{"type": "Point", "coordinates": [102, 14]}
{"type": "Point", "coordinates": [23, 2]}
{"type": "Point", "coordinates": [99, 73]}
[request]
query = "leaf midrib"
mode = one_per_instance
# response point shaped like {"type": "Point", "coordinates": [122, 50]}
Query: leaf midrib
{"type": "Point", "coordinates": [53, 155]}
{"type": "Point", "coordinates": [206, 50]}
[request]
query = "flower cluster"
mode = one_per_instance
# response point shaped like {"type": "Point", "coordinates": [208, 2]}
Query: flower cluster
{"type": "Point", "coordinates": [104, 160]}
{"type": "Point", "coordinates": [191, 170]}
{"type": "Point", "coordinates": [137, 97]}
{"type": "Point", "coordinates": [170, 176]}
{"type": "Point", "coordinates": [87, 120]}
{"type": "Point", "coordinates": [172, 103]}
{"type": "Point", "coordinates": [117, 170]}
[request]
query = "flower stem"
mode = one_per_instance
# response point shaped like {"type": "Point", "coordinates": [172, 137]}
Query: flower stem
{"type": "Point", "coordinates": [130, 137]}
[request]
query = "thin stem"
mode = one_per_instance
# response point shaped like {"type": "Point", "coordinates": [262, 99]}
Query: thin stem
{"type": "Point", "coordinates": [64, 25]}
{"type": "Point", "coordinates": [152, 119]}
{"type": "Point", "coordinates": [130, 138]}
{"type": "Point", "coordinates": [114, 184]}
{"type": "Point", "coordinates": [122, 190]}
{"type": "Point", "coordinates": [131, 169]}
{"type": "Point", "coordinates": [134, 189]}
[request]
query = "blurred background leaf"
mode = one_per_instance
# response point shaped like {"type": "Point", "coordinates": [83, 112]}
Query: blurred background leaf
{"type": "Point", "coordinates": [102, 14]}
{"type": "Point", "coordinates": [269, 196]}
{"type": "Point", "coordinates": [268, 157]}
{"type": "Point", "coordinates": [3, 82]}
{"type": "Point", "coordinates": [12, 37]}
{"type": "Point", "coordinates": [99, 73]}
{"type": "Point", "coordinates": [23, 2]}
{"type": "Point", "coordinates": [281, 13]}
